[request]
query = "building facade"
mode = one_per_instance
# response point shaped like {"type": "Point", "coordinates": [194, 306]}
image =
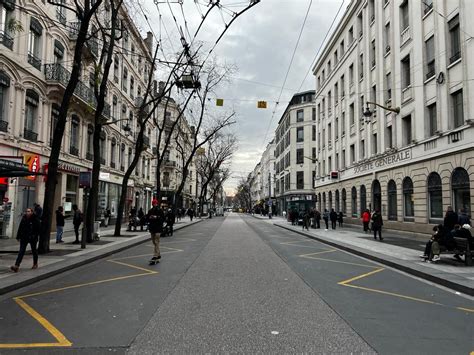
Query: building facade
{"type": "Point", "coordinates": [36, 51]}
{"type": "Point", "coordinates": [416, 56]}
{"type": "Point", "coordinates": [295, 138]}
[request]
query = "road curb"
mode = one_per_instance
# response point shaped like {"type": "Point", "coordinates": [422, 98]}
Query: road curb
{"type": "Point", "coordinates": [87, 259]}
{"type": "Point", "coordinates": [409, 270]}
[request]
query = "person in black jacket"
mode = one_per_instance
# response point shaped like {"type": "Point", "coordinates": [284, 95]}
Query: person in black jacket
{"type": "Point", "coordinates": [377, 223]}
{"type": "Point", "coordinates": [333, 218]}
{"type": "Point", "coordinates": [59, 224]}
{"type": "Point", "coordinates": [28, 233]}
{"type": "Point", "coordinates": [450, 219]}
{"type": "Point", "coordinates": [156, 218]}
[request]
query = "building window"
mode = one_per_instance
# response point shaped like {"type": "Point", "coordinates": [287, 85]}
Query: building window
{"type": "Point", "coordinates": [430, 58]}
{"type": "Point", "coordinates": [344, 203]}
{"type": "Point", "coordinates": [6, 14]}
{"type": "Point", "coordinates": [4, 89]}
{"type": "Point", "coordinates": [314, 114]}
{"type": "Point", "coordinates": [300, 156]}
{"type": "Point", "coordinates": [408, 200]}
{"type": "Point", "coordinates": [354, 202]}
{"type": "Point", "coordinates": [351, 75]}
{"type": "Point", "coordinates": [34, 43]}
{"type": "Point", "coordinates": [300, 134]}
{"type": "Point", "coordinates": [342, 48]}
{"type": "Point", "coordinates": [122, 157]}
{"type": "Point", "coordinates": [352, 152]}
{"type": "Point", "coordinates": [461, 190]}
{"type": "Point", "coordinates": [454, 39]}
{"type": "Point", "coordinates": [374, 144]}
{"type": "Point", "coordinates": [74, 143]}
{"type": "Point", "coordinates": [116, 68]}
{"type": "Point", "coordinates": [406, 129]}
{"type": "Point", "coordinates": [132, 87]}
{"type": "Point", "coordinates": [372, 54]}
{"type": "Point", "coordinates": [392, 200]}
{"type": "Point", "coordinates": [58, 52]}
{"type": "Point", "coordinates": [362, 149]}
{"type": "Point", "coordinates": [431, 120]}
{"type": "Point", "coordinates": [435, 198]}
{"type": "Point", "coordinates": [386, 38]}
{"type": "Point", "coordinates": [300, 180]}
{"type": "Point", "coordinates": [351, 35]}
{"type": "Point", "coordinates": [458, 112]}
{"type": "Point", "coordinates": [125, 79]}
{"type": "Point", "coordinates": [343, 124]}
{"type": "Point", "coordinates": [313, 135]}
{"type": "Point", "coordinates": [54, 121]}
{"type": "Point", "coordinates": [113, 149]}
{"type": "Point", "coordinates": [360, 25]}
{"type": "Point", "coordinates": [299, 116]}
{"type": "Point", "coordinates": [406, 77]}
{"type": "Point", "coordinates": [404, 16]}
{"type": "Point", "coordinates": [388, 137]}
{"type": "Point", "coordinates": [351, 114]}
{"type": "Point", "coordinates": [371, 11]}
{"type": "Point", "coordinates": [343, 156]}
{"type": "Point", "coordinates": [336, 128]}
{"type": "Point", "coordinates": [427, 6]}
{"type": "Point", "coordinates": [90, 142]}
{"type": "Point", "coordinates": [361, 66]}
{"type": "Point", "coordinates": [31, 115]}
{"type": "Point", "coordinates": [115, 108]}
{"type": "Point", "coordinates": [388, 85]}
{"type": "Point", "coordinates": [363, 199]}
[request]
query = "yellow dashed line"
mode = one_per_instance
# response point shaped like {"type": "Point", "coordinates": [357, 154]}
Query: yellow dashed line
{"type": "Point", "coordinates": [360, 276]}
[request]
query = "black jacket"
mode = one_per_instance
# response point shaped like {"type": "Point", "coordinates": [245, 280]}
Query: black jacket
{"type": "Point", "coordinates": [450, 220]}
{"type": "Point", "coordinates": [333, 216]}
{"type": "Point", "coordinates": [377, 221]}
{"type": "Point", "coordinates": [59, 219]}
{"type": "Point", "coordinates": [29, 229]}
{"type": "Point", "coordinates": [155, 218]}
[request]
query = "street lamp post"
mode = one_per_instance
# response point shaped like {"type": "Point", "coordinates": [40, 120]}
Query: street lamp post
{"type": "Point", "coordinates": [368, 112]}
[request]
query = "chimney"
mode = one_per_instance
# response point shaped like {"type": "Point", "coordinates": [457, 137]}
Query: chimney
{"type": "Point", "coordinates": [161, 87]}
{"type": "Point", "coordinates": [149, 41]}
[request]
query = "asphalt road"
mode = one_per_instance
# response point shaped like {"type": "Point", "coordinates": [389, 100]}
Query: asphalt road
{"type": "Point", "coordinates": [236, 285]}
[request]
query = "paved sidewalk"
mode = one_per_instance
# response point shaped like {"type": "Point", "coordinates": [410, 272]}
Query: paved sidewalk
{"type": "Point", "coordinates": [66, 256]}
{"type": "Point", "coordinates": [398, 251]}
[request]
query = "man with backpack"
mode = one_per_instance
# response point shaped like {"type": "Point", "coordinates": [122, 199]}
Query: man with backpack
{"type": "Point", "coordinates": [77, 219]}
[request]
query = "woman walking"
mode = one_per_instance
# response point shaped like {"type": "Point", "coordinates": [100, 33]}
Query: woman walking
{"type": "Point", "coordinates": [366, 220]}
{"type": "Point", "coordinates": [28, 233]}
{"type": "Point", "coordinates": [377, 224]}
{"type": "Point", "coordinates": [59, 224]}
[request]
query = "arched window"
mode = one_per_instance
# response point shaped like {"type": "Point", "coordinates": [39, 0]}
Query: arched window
{"type": "Point", "coordinates": [408, 201]}
{"type": "Point", "coordinates": [330, 199]}
{"type": "Point", "coordinates": [461, 190]}
{"type": "Point", "coordinates": [338, 205]}
{"type": "Point", "coordinates": [392, 200]}
{"type": "Point", "coordinates": [354, 201]}
{"type": "Point", "coordinates": [344, 204]}
{"type": "Point", "coordinates": [320, 206]}
{"type": "Point", "coordinates": [376, 196]}
{"type": "Point", "coordinates": [363, 199]}
{"type": "Point", "coordinates": [324, 201]}
{"type": "Point", "coordinates": [74, 143]}
{"type": "Point", "coordinates": [122, 157]}
{"type": "Point", "coordinates": [435, 198]}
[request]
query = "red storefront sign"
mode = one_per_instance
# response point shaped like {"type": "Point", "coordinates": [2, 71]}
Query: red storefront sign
{"type": "Point", "coordinates": [33, 163]}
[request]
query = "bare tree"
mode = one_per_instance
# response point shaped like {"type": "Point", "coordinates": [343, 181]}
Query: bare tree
{"type": "Point", "coordinates": [243, 194]}
{"type": "Point", "coordinates": [84, 10]}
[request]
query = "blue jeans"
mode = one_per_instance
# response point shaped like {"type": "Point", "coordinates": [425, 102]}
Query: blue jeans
{"type": "Point", "coordinates": [59, 233]}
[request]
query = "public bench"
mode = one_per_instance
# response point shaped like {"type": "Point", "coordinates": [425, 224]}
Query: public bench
{"type": "Point", "coordinates": [463, 247]}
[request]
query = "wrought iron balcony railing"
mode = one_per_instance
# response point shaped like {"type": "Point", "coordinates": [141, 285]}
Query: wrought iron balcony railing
{"type": "Point", "coordinates": [56, 72]}
{"type": "Point", "coordinates": [6, 40]}
{"type": "Point", "coordinates": [30, 135]}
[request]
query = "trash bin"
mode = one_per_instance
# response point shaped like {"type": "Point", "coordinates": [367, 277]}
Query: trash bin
{"type": "Point", "coordinates": [96, 233]}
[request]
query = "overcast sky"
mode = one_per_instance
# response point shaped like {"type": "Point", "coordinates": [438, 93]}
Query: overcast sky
{"type": "Point", "coordinates": [260, 43]}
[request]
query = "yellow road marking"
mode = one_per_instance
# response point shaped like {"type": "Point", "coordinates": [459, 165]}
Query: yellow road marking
{"type": "Point", "coordinates": [340, 262]}
{"type": "Point", "coordinates": [467, 310]}
{"type": "Point", "coordinates": [317, 253]}
{"type": "Point", "coordinates": [360, 276]}
{"type": "Point", "coordinates": [132, 266]}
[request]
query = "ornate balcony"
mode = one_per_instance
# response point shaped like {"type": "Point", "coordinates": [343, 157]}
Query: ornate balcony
{"type": "Point", "coordinates": [30, 135]}
{"type": "Point", "coordinates": [57, 73]}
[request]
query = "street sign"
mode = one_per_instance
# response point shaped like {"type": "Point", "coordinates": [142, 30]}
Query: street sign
{"type": "Point", "coordinates": [85, 178]}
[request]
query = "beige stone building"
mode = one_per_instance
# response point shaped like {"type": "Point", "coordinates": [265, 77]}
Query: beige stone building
{"type": "Point", "coordinates": [416, 56]}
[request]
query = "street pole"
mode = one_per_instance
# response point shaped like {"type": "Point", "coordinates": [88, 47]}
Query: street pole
{"type": "Point", "coordinates": [84, 222]}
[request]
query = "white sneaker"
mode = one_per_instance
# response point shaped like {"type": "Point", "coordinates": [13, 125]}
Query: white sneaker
{"type": "Point", "coordinates": [424, 256]}
{"type": "Point", "coordinates": [436, 258]}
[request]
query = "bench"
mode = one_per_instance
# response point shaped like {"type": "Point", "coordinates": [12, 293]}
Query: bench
{"type": "Point", "coordinates": [463, 247]}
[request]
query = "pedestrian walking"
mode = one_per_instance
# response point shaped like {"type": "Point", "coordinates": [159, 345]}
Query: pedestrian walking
{"type": "Point", "coordinates": [377, 224]}
{"type": "Point", "coordinates": [59, 224]}
{"type": "Point", "coordinates": [190, 213]}
{"type": "Point", "coordinates": [107, 215]}
{"type": "Point", "coordinates": [317, 217]}
{"type": "Point", "coordinates": [326, 218]}
{"type": "Point", "coordinates": [156, 218]}
{"type": "Point", "coordinates": [141, 218]}
{"type": "Point", "coordinates": [77, 219]}
{"type": "Point", "coordinates": [333, 218]}
{"type": "Point", "coordinates": [306, 220]}
{"type": "Point", "coordinates": [28, 233]}
{"type": "Point", "coordinates": [340, 219]}
{"type": "Point", "coordinates": [170, 219]}
{"type": "Point", "coordinates": [366, 220]}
